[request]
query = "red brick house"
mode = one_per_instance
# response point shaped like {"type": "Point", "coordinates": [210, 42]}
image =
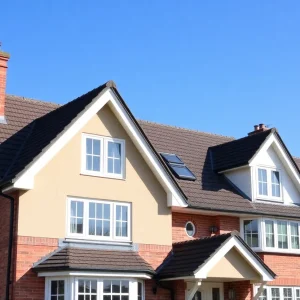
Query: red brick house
{"type": "Point", "coordinates": [96, 205]}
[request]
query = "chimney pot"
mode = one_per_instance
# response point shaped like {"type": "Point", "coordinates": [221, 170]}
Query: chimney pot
{"type": "Point", "coordinates": [4, 57]}
{"type": "Point", "coordinates": [256, 127]}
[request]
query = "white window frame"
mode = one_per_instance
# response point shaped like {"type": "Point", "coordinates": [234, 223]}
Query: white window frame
{"type": "Point", "coordinates": [269, 295]}
{"type": "Point", "coordinates": [85, 235]}
{"type": "Point", "coordinates": [71, 286]}
{"type": "Point", "coordinates": [269, 184]}
{"type": "Point", "coordinates": [103, 156]}
{"type": "Point", "coordinates": [262, 235]}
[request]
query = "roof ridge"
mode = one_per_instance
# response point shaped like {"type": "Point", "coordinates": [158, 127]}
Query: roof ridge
{"type": "Point", "coordinates": [245, 137]}
{"type": "Point", "coordinates": [33, 100]}
{"type": "Point", "coordinates": [217, 236]}
{"type": "Point", "coordinates": [187, 129]}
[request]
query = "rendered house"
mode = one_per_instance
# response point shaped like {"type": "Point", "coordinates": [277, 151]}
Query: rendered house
{"type": "Point", "coordinates": [110, 208]}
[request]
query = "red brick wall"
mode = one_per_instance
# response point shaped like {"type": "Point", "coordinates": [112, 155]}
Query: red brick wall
{"type": "Point", "coordinates": [26, 282]}
{"type": "Point", "coordinates": [286, 267]}
{"type": "Point", "coordinates": [202, 223]}
{"type": "Point", "coordinates": [154, 254]}
{"type": "Point", "coordinates": [243, 290]}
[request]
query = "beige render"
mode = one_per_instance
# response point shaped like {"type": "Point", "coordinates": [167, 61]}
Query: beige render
{"type": "Point", "coordinates": [42, 211]}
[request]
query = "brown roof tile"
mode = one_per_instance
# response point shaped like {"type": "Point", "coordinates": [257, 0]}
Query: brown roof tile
{"type": "Point", "coordinates": [71, 258]}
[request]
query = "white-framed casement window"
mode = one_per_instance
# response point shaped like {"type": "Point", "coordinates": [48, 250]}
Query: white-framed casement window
{"type": "Point", "coordinates": [103, 156]}
{"type": "Point", "coordinates": [272, 235]}
{"type": "Point", "coordinates": [280, 293]}
{"type": "Point", "coordinates": [269, 185]}
{"type": "Point", "coordinates": [98, 219]}
{"type": "Point", "coordinates": [90, 288]}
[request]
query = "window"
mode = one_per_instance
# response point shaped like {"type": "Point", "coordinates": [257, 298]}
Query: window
{"type": "Point", "coordinates": [57, 289]}
{"type": "Point", "coordinates": [95, 219]}
{"type": "Point", "coordinates": [263, 295]}
{"type": "Point", "coordinates": [269, 184]}
{"type": "Point", "coordinates": [251, 233]}
{"type": "Point", "coordinates": [282, 235]}
{"type": "Point", "coordinates": [87, 290]}
{"type": "Point", "coordinates": [190, 229]}
{"type": "Point", "coordinates": [275, 294]}
{"type": "Point", "coordinates": [103, 156]}
{"type": "Point", "coordinates": [269, 229]}
{"type": "Point", "coordinates": [280, 293]}
{"type": "Point", "coordinates": [140, 291]}
{"type": "Point", "coordinates": [177, 166]}
{"type": "Point", "coordinates": [115, 290]}
{"type": "Point", "coordinates": [274, 235]}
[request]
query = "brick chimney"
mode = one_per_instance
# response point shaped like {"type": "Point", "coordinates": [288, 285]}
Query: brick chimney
{"type": "Point", "coordinates": [258, 128]}
{"type": "Point", "coordinates": [3, 71]}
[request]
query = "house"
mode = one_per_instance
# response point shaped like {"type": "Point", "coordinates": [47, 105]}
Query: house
{"type": "Point", "coordinates": [96, 205]}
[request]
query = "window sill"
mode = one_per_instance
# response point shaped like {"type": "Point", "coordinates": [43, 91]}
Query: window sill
{"type": "Point", "coordinates": [108, 176]}
{"type": "Point", "coordinates": [280, 200]}
{"type": "Point", "coordinates": [98, 242]}
{"type": "Point", "coordinates": [276, 251]}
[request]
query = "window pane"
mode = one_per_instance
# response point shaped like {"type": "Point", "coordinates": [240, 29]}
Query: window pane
{"type": "Point", "coordinates": [282, 234]}
{"type": "Point", "coordinates": [61, 287]}
{"type": "Point", "coordinates": [115, 286]}
{"type": "Point", "coordinates": [275, 294]}
{"type": "Point", "coordinates": [92, 210]}
{"type": "Point", "coordinates": [99, 210]}
{"type": "Point", "coordinates": [54, 287]}
{"type": "Point", "coordinates": [124, 213]}
{"type": "Point", "coordinates": [263, 295]}
{"type": "Point", "coordinates": [124, 229]}
{"type": "Point", "coordinates": [96, 163]}
{"type": "Point", "coordinates": [262, 182]}
{"type": "Point", "coordinates": [275, 183]}
{"type": "Point", "coordinates": [92, 227]}
{"type": "Point", "coordinates": [106, 228]}
{"type": "Point", "coordinates": [251, 232]}
{"type": "Point", "coordinates": [79, 209]}
{"type": "Point", "coordinates": [287, 294]}
{"type": "Point", "coordinates": [96, 147]}
{"type": "Point", "coordinates": [125, 286]}
{"type": "Point", "coordinates": [269, 226]}
{"type": "Point", "coordinates": [106, 211]}
{"type": "Point", "coordinates": [89, 146]}
{"type": "Point", "coordinates": [294, 235]}
{"type": "Point", "coordinates": [118, 212]}
{"type": "Point", "coordinates": [140, 291]}
{"type": "Point", "coordinates": [89, 162]}
{"type": "Point", "coordinates": [106, 286]}
{"type": "Point", "coordinates": [110, 165]}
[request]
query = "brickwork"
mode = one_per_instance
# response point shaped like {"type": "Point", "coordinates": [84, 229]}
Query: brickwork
{"type": "Point", "coordinates": [227, 224]}
{"type": "Point", "coordinates": [3, 70]}
{"type": "Point", "coordinates": [29, 250]}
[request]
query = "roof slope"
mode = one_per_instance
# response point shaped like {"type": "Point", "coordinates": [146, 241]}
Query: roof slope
{"type": "Point", "coordinates": [239, 152]}
{"type": "Point", "coordinates": [188, 256]}
{"type": "Point", "coordinates": [210, 191]}
{"type": "Point", "coordinates": [20, 149]}
{"type": "Point", "coordinates": [72, 258]}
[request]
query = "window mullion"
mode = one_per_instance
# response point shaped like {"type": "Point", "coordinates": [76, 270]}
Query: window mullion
{"type": "Point", "coordinates": [275, 234]}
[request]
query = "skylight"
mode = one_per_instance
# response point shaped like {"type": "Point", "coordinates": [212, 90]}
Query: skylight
{"type": "Point", "coordinates": [177, 166]}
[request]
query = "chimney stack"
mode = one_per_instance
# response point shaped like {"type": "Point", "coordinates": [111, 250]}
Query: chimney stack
{"type": "Point", "coordinates": [258, 128]}
{"type": "Point", "coordinates": [4, 57]}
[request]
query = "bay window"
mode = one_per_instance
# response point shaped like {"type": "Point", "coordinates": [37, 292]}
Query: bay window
{"type": "Point", "coordinates": [77, 288]}
{"type": "Point", "coordinates": [273, 235]}
{"type": "Point", "coordinates": [101, 220]}
{"type": "Point", "coordinates": [280, 293]}
{"type": "Point", "coordinates": [103, 156]}
{"type": "Point", "coordinates": [268, 184]}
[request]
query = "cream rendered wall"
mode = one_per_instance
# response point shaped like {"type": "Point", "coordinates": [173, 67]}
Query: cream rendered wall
{"type": "Point", "coordinates": [42, 211]}
{"type": "Point", "coordinates": [242, 179]}
{"type": "Point", "coordinates": [234, 266]}
{"type": "Point", "coordinates": [270, 158]}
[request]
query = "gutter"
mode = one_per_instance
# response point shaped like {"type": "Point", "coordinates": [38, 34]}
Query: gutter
{"type": "Point", "coordinates": [10, 242]}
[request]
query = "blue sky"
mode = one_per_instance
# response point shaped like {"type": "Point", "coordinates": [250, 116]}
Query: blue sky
{"type": "Point", "coordinates": [215, 66]}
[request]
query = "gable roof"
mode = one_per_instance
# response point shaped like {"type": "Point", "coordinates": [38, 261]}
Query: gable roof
{"type": "Point", "coordinates": [239, 152]}
{"type": "Point", "coordinates": [210, 191]}
{"type": "Point", "coordinates": [81, 259]}
{"type": "Point", "coordinates": [188, 257]}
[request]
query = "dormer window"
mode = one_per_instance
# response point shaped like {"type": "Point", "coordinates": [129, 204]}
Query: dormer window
{"type": "Point", "coordinates": [103, 156]}
{"type": "Point", "coordinates": [268, 184]}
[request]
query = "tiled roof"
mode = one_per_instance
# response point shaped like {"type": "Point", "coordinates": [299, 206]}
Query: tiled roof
{"type": "Point", "coordinates": [186, 257]}
{"type": "Point", "coordinates": [71, 258]}
{"type": "Point", "coordinates": [237, 153]}
{"type": "Point", "coordinates": [210, 191]}
{"type": "Point", "coordinates": [30, 129]}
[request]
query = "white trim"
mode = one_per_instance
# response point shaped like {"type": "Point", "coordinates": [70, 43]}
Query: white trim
{"type": "Point", "coordinates": [262, 235]}
{"type": "Point", "coordinates": [190, 294]}
{"type": "Point", "coordinates": [202, 271]}
{"type": "Point", "coordinates": [94, 274]}
{"type": "Point", "coordinates": [25, 179]}
{"type": "Point", "coordinates": [103, 156]}
{"type": "Point", "coordinates": [85, 235]}
{"type": "Point", "coordinates": [194, 228]}
{"type": "Point", "coordinates": [269, 141]}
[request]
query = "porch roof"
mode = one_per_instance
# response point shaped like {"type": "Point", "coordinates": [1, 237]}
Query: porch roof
{"type": "Point", "coordinates": [196, 258]}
